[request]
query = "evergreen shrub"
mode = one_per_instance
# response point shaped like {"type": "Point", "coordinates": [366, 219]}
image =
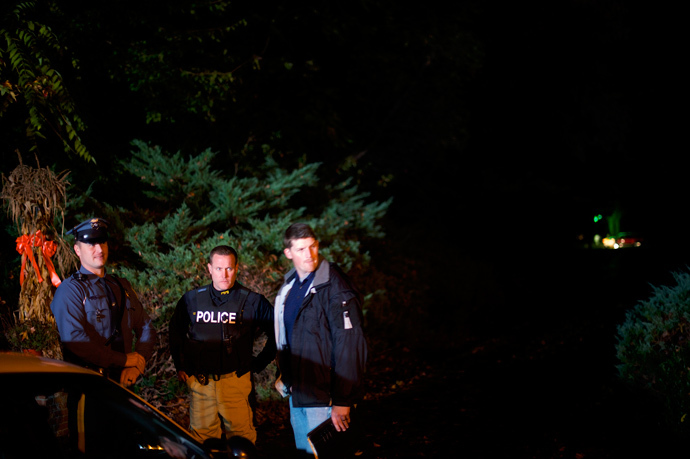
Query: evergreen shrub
{"type": "Point", "coordinates": [654, 351]}
{"type": "Point", "coordinates": [199, 208]}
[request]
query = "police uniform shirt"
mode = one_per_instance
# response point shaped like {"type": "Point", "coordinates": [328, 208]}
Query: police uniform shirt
{"type": "Point", "coordinates": [86, 312]}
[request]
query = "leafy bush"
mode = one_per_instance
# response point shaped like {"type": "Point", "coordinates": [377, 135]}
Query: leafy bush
{"type": "Point", "coordinates": [654, 351]}
{"type": "Point", "coordinates": [199, 208]}
{"type": "Point", "coordinates": [249, 213]}
{"type": "Point", "coordinates": [31, 335]}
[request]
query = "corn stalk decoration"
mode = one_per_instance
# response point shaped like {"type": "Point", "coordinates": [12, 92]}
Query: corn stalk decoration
{"type": "Point", "coordinates": [36, 199]}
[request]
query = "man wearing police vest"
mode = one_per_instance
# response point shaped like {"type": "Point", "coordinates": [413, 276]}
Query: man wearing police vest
{"type": "Point", "coordinates": [212, 334]}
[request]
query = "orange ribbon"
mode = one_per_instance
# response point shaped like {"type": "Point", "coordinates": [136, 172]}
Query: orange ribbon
{"type": "Point", "coordinates": [48, 249]}
{"type": "Point", "coordinates": [25, 245]}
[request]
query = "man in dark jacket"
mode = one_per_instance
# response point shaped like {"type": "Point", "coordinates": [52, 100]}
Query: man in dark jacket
{"type": "Point", "coordinates": [212, 334]}
{"type": "Point", "coordinates": [322, 351]}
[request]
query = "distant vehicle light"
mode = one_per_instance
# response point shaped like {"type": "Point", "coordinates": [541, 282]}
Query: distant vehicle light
{"type": "Point", "coordinates": [624, 240]}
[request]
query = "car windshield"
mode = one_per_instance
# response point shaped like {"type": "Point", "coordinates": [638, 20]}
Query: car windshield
{"type": "Point", "coordinates": [60, 415]}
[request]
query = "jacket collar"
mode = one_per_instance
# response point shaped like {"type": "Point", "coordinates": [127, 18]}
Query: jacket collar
{"type": "Point", "coordinates": [88, 275]}
{"type": "Point", "coordinates": [322, 275]}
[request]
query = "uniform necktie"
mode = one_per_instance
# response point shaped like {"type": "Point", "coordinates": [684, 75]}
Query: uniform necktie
{"type": "Point", "coordinates": [108, 292]}
{"type": "Point", "coordinates": [117, 345]}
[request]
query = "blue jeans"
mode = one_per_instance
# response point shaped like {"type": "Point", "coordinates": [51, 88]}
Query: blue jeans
{"type": "Point", "coordinates": [304, 420]}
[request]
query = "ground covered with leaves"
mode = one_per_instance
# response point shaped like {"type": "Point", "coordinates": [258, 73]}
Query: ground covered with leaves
{"type": "Point", "coordinates": [518, 396]}
{"type": "Point", "coordinates": [537, 380]}
{"type": "Point", "coordinates": [547, 388]}
{"type": "Point", "coordinates": [532, 392]}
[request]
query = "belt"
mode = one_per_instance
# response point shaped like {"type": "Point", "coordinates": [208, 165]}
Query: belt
{"type": "Point", "coordinates": [204, 378]}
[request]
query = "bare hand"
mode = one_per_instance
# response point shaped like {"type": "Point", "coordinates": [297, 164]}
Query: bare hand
{"type": "Point", "coordinates": [134, 359]}
{"type": "Point", "coordinates": [129, 376]}
{"type": "Point", "coordinates": [182, 376]}
{"type": "Point", "coordinates": [340, 415]}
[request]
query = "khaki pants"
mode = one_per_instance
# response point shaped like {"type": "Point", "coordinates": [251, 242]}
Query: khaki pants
{"type": "Point", "coordinates": [226, 399]}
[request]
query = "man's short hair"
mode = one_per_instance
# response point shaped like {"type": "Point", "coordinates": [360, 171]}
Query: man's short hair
{"type": "Point", "coordinates": [223, 250]}
{"type": "Point", "coordinates": [297, 231]}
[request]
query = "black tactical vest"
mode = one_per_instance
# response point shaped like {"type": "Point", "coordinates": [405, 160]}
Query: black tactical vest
{"type": "Point", "coordinates": [214, 330]}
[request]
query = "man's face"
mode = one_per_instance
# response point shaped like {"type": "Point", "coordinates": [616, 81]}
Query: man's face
{"type": "Point", "coordinates": [93, 257]}
{"type": "Point", "coordinates": [223, 269]}
{"type": "Point", "coordinates": [304, 254]}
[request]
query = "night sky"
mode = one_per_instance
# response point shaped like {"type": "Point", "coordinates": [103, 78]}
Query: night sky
{"type": "Point", "coordinates": [571, 118]}
{"type": "Point", "coordinates": [575, 113]}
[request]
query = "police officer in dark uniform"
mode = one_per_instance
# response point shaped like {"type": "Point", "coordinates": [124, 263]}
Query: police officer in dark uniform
{"type": "Point", "coordinates": [98, 315]}
{"type": "Point", "coordinates": [212, 334]}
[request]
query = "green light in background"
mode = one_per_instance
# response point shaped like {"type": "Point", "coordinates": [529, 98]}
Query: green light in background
{"type": "Point", "coordinates": [597, 218]}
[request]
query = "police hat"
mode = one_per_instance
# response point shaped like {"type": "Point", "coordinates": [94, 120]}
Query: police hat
{"type": "Point", "coordinates": [93, 231]}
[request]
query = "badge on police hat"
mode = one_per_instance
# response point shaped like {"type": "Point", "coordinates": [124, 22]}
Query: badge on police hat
{"type": "Point", "coordinates": [92, 231]}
